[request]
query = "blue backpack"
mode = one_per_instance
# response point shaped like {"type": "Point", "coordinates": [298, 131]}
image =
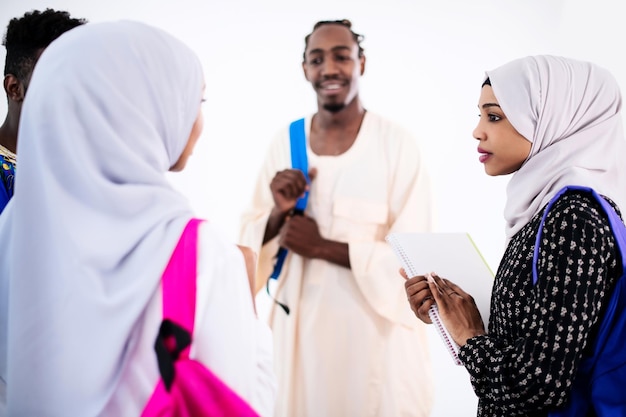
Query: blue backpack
{"type": "Point", "coordinates": [599, 388]}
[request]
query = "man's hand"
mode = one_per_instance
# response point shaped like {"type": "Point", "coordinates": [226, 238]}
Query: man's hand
{"type": "Point", "coordinates": [301, 235]}
{"type": "Point", "coordinates": [287, 187]}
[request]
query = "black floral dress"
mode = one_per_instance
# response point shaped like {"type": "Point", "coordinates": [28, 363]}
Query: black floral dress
{"type": "Point", "coordinates": [538, 334]}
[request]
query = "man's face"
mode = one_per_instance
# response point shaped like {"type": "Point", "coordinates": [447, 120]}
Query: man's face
{"type": "Point", "coordinates": [333, 67]}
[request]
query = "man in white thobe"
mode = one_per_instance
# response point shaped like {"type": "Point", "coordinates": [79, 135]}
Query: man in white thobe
{"type": "Point", "coordinates": [350, 345]}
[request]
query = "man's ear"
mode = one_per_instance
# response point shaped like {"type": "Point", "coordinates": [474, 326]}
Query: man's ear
{"type": "Point", "coordinates": [13, 88]}
{"type": "Point", "coordinates": [362, 61]}
{"type": "Point", "coordinates": [304, 71]}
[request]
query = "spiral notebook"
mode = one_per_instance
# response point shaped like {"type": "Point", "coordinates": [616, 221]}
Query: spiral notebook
{"type": "Point", "coordinates": [453, 256]}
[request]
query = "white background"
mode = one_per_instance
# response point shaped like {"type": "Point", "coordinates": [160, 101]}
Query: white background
{"type": "Point", "coordinates": [425, 64]}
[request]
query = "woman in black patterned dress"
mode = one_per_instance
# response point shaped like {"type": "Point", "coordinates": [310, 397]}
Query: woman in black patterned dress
{"type": "Point", "coordinates": [551, 122]}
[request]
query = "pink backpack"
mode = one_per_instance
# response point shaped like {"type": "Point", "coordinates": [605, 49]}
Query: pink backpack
{"type": "Point", "coordinates": [187, 388]}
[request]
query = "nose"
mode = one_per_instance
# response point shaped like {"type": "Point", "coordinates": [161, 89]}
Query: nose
{"type": "Point", "coordinates": [478, 133]}
{"type": "Point", "coordinates": [329, 66]}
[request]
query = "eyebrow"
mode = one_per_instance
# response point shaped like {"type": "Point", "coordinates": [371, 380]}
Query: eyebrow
{"type": "Point", "coordinates": [486, 105]}
{"type": "Point", "coordinates": [333, 49]}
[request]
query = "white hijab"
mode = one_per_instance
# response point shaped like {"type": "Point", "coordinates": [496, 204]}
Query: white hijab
{"type": "Point", "coordinates": [93, 220]}
{"type": "Point", "coordinates": [570, 111]}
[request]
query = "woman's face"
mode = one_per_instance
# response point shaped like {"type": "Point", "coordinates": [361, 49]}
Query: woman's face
{"type": "Point", "coordinates": [502, 149]}
{"type": "Point", "coordinates": [196, 130]}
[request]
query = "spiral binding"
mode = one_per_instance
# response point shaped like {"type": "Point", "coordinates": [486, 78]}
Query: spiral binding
{"type": "Point", "coordinates": [452, 346]}
{"type": "Point", "coordinates": [407, 264]}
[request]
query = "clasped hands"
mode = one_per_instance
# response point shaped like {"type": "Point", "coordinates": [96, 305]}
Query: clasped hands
{"type": "Point", "coordinates": [297, 233]}
{"type": "Point", "coordinates": [457, 308]}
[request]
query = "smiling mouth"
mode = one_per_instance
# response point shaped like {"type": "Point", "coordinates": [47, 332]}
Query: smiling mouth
{"type": "Point", "coordinates": [331, 87]}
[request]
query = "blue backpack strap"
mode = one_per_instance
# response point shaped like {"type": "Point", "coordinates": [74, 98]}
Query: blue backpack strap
{"type": "Point", "coordinates": [297, 141]}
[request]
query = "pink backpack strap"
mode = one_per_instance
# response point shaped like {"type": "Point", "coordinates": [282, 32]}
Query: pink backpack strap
{"type": "Point", "coordinates": [179, 302]}
{"type": "Point", "coordinates": [197, 391]}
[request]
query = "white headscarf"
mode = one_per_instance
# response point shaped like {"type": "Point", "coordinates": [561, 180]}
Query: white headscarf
{"type": "Point", "coordinates": [570, 111]}
{"type": "Point", "coordinates": [93, 220]}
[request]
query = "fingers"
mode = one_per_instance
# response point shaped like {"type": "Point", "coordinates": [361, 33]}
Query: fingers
{"type": "Point", "coordinates": [456, 289]}
{"type": "Point", "coordinates": [420, 306]}
{"type": "Point", "coordinates": [300, 233]}
{"type": "Point", "coordinates": [412, 279]}
{"type": "Point", "coordinates": [290, 183]}
{"type": "Point", "coordinates": [288, 186]}
{"type": "Point", "coordinates": [435, 283]}
{"type": "Point", "coordinates": [445, 288]}
{"type": "Point", "coordinates": [419, 296]}
{"type": "Point", "coordinates": [423, 310]}
{"type": "Point", "coordinates": [443, 285]}
{"type": "Point", "coordinates": [415, 284]}
{"type": "Point", "coordinates": [401, 270]}
{"type": "Point", "coordinates": [456, 309]}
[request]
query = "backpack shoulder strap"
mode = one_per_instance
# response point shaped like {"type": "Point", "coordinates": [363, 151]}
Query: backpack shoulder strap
{"type": "Point", "coordinates": [617, 226]}
{"type": "Point", "coordinates": [179, 279]}
{"type": "Point", "coordinates": [174, 339]}
{"type": "Point", "coordinates": [297, 142]}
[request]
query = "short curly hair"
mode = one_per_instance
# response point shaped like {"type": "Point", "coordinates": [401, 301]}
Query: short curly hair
{"type": "Point", "coordinates": [343, 22]}
{"type": "Point", "coordinates": [26, 35]}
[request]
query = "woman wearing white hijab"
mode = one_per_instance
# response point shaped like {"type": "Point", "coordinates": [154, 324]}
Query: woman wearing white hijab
{"type": "Point", "coordinates": [551, 122]}
{"type": "Point", "coordinates": [111, 108]}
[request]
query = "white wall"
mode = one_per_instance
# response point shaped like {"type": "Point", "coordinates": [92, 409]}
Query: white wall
{"type": "Point", "coordinates": [426, 61]}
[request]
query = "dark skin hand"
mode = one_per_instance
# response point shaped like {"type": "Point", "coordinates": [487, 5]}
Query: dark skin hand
{"type": "Point", "coordinates": [287, 187]}
{"type": "Point", "coordinates": [300, 233]}
{"type": "Point", "coordinates": [457, 308]}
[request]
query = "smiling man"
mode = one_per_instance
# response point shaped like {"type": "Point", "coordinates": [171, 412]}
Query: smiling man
{"type": "Point", "coordinates": [349, 345]}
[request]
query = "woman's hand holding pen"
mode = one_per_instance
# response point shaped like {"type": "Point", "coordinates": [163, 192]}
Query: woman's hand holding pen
{"type": "Point", "coordinates": [457, 308]}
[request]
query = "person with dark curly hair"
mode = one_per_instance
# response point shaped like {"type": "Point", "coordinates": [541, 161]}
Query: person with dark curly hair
{"type": "Point", "coordinates": [347, 345]}
{"type": "Point", "coordinates": [25, 40]}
